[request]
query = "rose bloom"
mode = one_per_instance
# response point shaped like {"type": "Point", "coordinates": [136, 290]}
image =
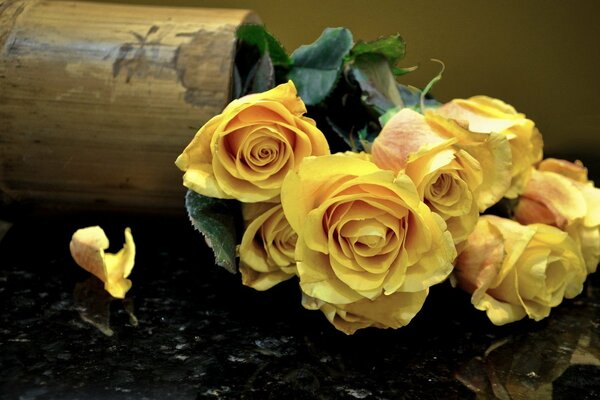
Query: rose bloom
{"type": "Point", "coordinates": [245, 152]}
{"type": "Point", "coordinates": [447, 178]}
{"type": "Point", "coordinates": [560, 194]}
{"type": "Point", "coordinates": [515, 270]}
{"type": "Point", "coordinates": [364, 235]}
{"type": "Point", "coordinates": [267, 248]}
{"type": "Point", "coordinates": [486, 115]}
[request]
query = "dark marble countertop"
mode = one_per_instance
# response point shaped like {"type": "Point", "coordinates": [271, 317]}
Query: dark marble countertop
{"type": "Point", "coordinates": [190, 330]}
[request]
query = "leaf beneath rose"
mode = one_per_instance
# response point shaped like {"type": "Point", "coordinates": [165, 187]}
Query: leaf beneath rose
{"type": "Point", "coordinates": [262, 77]}
{"type": "Point", "coordinates": [377, 82]}
{"type": "Point", "coordinates": [253, 70]}
{"type": "Point", "coordinates": [316, 67]}
{"type": "Point", "coordinates": [266, 43]}
{"type": "Point", "coordinates": [392, 48]}
{"type": "Point", "coordinates": [215, 219]}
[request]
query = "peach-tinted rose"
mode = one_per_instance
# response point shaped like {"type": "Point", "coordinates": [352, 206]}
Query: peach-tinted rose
{"type": "Point", "coordinates": [245, 152]}
{"type": "Point", "coordinates": [267, 248]}
{"type": "Point", "coordinates": [515, 270]}
{"type": "Point", "coordinates": [447, 177]}
{"type": "Point", "coordinates": [487, 115]}
{"type": "Point", "coordinates": [560, 194]}
{"type": "Point", "coordinates": [362, 232]}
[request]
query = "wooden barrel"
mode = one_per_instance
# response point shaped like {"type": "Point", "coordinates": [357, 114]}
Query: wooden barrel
{"type": "Point", "coordinates": [98, 100]}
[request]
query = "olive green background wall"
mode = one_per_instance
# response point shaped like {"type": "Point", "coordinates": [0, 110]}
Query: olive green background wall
{"type": "Point", "coordinates": [540, 56]}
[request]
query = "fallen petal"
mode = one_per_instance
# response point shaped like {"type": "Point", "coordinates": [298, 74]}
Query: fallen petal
{"type": "Point", "coordinates": [87, 248]}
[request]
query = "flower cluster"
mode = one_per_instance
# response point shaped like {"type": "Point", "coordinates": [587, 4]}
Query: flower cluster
{"type": "Point", "coordinates": [366, 234]}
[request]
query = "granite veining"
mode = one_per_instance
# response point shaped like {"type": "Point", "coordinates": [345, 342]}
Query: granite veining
{"type": "Point", "coordinates": [190, 330]}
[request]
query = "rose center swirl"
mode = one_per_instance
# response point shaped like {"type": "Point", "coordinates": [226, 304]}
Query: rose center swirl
{"type": "Point", "coordinates": [368, 238]}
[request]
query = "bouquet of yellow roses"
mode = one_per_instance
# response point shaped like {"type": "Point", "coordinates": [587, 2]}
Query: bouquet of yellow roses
{"type": "Point", "coordinates": [326, 170]}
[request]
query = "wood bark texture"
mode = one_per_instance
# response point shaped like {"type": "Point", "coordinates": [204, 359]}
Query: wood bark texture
{"type": "Point", "coordinates": [98, 100]}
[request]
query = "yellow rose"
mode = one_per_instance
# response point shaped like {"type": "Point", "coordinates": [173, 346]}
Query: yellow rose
{"type": "Point", "coordinates": [363, 233]}
{"type": "Point", "coordinates": [560, 194]}
{"type": "Point", "coordinates": [515, 270]}
{"type": "Point", "coordinates": [486, 115]}
{"type": "Point", "coordinates": [447, 178]}
{"type": "Point", "coordinates": [245, 152]}
{"type": "Point", "coordinates": [267, 248]}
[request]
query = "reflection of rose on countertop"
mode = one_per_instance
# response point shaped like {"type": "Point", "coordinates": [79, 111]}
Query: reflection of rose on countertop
{"type": "Point", "coordinates": [4, 227]}
{"type": "Point", "coordinates": [530, 365]}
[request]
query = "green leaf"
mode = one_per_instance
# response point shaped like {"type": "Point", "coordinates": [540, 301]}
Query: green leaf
{"type": "Point", "coordinates": [365, 140]}
{"type": "Point", "coordinates": [215, 219]}
{"type": "Point", "coordinates": [278, 54]}
{"type": "Point", "coordinates": [316, 67]}
{"type": "Point", "coordinates": [258, 36]}
{"type": "Point", "coordinates": [393, 48]}
{"type": "Point", "coordinates": [261, 77]}
{"type": "Point", "coordinates": [377, 82]}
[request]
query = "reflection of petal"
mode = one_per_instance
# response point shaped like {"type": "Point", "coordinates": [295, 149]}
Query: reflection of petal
{"type": "Point", "coordinates": [128, 306]}
{"type": "Point", "coordinates": [473, 376]}
{"type": "Point", "coordinates": [586, 352]}
{"type": "Point", "coordinates": [4, 227]}
{"type": "Point", "coordinates": [93, 304]}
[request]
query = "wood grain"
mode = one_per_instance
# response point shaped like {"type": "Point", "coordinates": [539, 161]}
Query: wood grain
{"type": "Point", "coordinates": [97, 100]}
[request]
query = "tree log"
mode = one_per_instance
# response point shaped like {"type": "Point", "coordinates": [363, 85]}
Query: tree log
{"type": "Point", "coordinates": [98, 100]}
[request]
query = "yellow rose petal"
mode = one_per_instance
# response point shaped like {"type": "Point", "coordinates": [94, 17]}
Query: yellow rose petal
{"type": "Point", "coordinates": [575, 171]}
{"type": "Point", "coordinates": [286, 93]}
{"type": "Point", "coordinates": [404, 134]}
{"type": "Point", "coordinates": [299, 187]}
{"type": "Point", "coordinates": [87, 248]}
{"type": "Point", "coordinates": [393, 311]}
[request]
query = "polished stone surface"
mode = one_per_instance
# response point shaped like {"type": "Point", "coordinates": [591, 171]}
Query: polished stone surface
{"type": "Point", "coordinates": [189, 330]}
